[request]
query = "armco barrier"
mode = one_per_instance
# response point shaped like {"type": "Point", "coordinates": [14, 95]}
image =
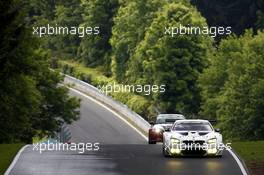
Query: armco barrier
{"type": "Point", "coordinates": [109, 101]}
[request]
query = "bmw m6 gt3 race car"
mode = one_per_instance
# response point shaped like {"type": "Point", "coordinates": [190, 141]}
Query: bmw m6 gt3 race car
{"type": "Point", "coordinates": [192, 137]}
{"type": "Point", "coordinates": [163, 123]}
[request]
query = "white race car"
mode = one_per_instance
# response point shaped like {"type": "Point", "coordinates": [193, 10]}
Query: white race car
{"type": "Point", "coordinates": [192, 137]}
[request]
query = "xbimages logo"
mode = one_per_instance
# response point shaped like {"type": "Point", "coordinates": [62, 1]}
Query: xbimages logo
{"type": "Point", "coordinates": [212, 31]}
{"type": "Point", "coordinates": [195, 146]}
{"type": "Point", "coordinates": [81, 31]}
{"type": "Point", "coordinates": [57, 146]}
{"type": "Point", "coordinates": [145, 89]}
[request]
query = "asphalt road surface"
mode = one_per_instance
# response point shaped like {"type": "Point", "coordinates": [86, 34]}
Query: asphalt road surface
{"type": "Point", "coordinates": [123, 151]}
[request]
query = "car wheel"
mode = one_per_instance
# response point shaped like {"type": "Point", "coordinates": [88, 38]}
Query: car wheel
{"type": "Point", "coordinates": [164, 152]}
{"type": "Point", "coordinates": [151, 142]}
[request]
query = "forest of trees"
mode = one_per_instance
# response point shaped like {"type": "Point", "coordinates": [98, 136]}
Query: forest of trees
{"type": "Point", "coordinates": [32, 103]}
{"type": "Point", "coordinates": [219, 78]}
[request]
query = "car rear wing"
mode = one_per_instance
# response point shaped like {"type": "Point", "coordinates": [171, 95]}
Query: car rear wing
{"type": "Point", "coordinates": [213, 121]}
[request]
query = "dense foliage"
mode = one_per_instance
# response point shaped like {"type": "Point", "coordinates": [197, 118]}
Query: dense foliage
{"type": "Point", "coordinates": [95, 49]}
{"type": "Point", "coordinates": [31, 100]}
{"type": "Point", "coordinates": [205, 77]}
{"type": "Point", "coordinates": [58, 13]}
{"type": "Point", "coordinates": [173, 61]}
{"type": "Point", "coordinates": [233, 86]}
{"type": "Point", "coordinates": [131, 23]}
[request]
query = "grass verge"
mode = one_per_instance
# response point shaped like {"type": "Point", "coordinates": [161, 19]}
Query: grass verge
{"type": "Point", "coordinates": [7, 154]}
{"type": "Point", "coordinates": [250, 151]}
{"type": "Point", "coordinates": [253, 154]}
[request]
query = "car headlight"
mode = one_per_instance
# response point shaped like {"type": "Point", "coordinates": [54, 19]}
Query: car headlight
{"type": "Point", "coordinates": [212, 151]}
{"type": "Point", "coordinates": [174, 141]}
{"type": "Point", "coordinates": [211, 141]}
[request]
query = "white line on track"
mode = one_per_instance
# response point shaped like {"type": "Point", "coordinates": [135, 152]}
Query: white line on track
{"type": "Point", "coordinates": [241, 166]}
{"type": "Point", "coordinates": [15, 160]}
{"type": "Point", "coordinates": [115, 113]}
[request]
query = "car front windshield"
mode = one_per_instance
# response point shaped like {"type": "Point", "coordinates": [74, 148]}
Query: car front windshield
{"type": "Point", "coordinates": [191, 126]}
{"type": "Point", "coordinates": [160, 120]}
{"type": "Point", "coordinates": [166, 119]}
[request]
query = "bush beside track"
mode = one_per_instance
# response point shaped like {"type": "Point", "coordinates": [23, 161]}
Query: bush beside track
{"type": "Point", "coordinates": [93, 76]}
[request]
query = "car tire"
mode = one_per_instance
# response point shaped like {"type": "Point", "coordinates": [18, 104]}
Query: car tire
{"type": "Point", "coordinates": [164, 152]}
{"type": "Point", "coordinates": [151, 142]}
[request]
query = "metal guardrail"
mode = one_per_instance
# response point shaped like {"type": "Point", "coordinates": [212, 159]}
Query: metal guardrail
{"type": "Point", "coordinates": [64, 134]}
{"type": "Point", "coordinates": [109, 101]}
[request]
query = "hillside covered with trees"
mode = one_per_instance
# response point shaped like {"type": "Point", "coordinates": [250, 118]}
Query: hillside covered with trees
{"type": "Point", "coordinates": [208, 77]}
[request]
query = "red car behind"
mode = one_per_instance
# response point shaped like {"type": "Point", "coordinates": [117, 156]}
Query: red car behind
{"type": "Point", "coordinates": [163, 123]}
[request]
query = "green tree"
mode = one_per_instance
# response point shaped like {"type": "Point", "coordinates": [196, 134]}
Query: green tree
{"type": "Point", "coordinates": [233, 86]}
{"type": "Point", "coordinates": [56, 106]}
{"type": "Point", "coordinates": [57, 14]}
{"type": "Point", "coordinates": [94, 49]}
{"type": "Point", "coordinates": [31, 100]}
{"type": "Point", "coordinates": [43, 8]}
{"type": "Point", "coordinates": [173, 61]}
{"type": "Point", "coordinates": [42, 13]}
{"type": "Point", "coordinates": [131, 22]}
{"type": "Point", "coordinates": [67, 14]}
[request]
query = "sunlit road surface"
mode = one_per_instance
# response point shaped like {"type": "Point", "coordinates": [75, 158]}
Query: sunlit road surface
{"type": "Point", "coordinates": [122, 152]}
